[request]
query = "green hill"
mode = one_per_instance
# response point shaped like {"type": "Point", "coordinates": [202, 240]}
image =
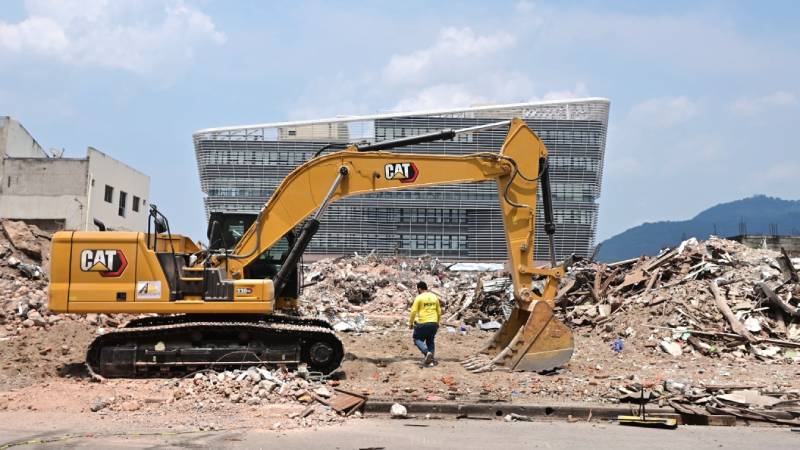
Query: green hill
{"type": "Point", "coordinates": [753, 215]}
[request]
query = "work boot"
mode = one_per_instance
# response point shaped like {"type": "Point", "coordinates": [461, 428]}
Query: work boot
{"type": "Point", "coordinates": [428, 359]}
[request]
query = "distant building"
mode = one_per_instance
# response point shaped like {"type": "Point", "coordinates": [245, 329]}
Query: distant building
{"type": "Point", "coordinates": [770, 242]}
{"type": "Point", "coordinates": [67, 193]}
{"type": "Point", "coordinates": [241, 166]}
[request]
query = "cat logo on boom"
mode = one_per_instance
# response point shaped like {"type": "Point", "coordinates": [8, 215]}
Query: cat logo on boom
{"type": "Point", "coordinates": [405, 172]}
{"type": "Point", "coordinates": [109, 263]}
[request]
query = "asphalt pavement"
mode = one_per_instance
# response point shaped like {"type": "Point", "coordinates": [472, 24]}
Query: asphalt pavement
{"type": "Point", "coordinates": [426, 434]}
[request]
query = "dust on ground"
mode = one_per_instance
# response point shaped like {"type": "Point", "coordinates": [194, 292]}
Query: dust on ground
{"type": "Point", "coordinates": [657, 312]}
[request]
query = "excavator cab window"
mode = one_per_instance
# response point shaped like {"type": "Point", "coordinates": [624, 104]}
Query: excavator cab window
{"type": "Point", "coordinates": [231, 227]}
{"type": "Point", "coordinates": [270, 262]}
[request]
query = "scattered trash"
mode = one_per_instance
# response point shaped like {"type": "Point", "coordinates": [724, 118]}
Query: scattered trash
{"type": "Point", "coordinates": [489, 326]}
{"type": "Point", "coordinates": [513, 417]}
{"type": "Point", "coordinates": [673, 348]}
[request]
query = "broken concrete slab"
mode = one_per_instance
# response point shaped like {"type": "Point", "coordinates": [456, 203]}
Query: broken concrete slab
{"type": "Point", "coordinates": [21, 237]}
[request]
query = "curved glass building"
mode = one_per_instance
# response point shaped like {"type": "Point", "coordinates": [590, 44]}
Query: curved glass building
{"type": "Point", "coordinates": [240, 166]}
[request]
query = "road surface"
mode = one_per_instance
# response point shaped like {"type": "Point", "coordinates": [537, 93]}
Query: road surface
{"type": "Point", "coordinates": [416, 435]}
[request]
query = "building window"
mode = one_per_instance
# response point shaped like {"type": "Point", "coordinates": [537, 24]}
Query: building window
{"type": "Point", "coordinates": [109, 197]}
{"type": "Point", "coordinates": [123, 196]}
{"type": "Point", "coordinates": [135, 205]}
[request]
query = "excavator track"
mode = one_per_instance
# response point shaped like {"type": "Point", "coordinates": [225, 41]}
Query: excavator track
{"type": "Point", "coordinates": [174, 349]}
{"type": "Point", "coordinates": [185, 318]}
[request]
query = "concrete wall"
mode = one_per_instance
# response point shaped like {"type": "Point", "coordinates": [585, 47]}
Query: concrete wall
{"type": "Point", "coordinates": [790, 243]}
{"type": "Point", "coordinates": [45, 189]}
{"type": "Point", "coordinates": [45, 176]}
{"type": "Point", "coordinates": [107, 171]}
{"type": "Point", "coordinates": [15, 141]}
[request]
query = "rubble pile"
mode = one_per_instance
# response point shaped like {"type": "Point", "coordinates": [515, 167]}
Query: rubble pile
{"type": "Point", "coordinates": [351, 289]}
{"type": "Point", "coordinates": [24, 266]}
{"type": "Point", "coordinates": [24, 251]}
{"type": "Point", "coordinates": [713, 298]}
{"type": "Point", "coordinates": [322, 400]}
{"type": "Point", "coordinates": [744, 401]}
{"type": "Point", "coordinates": [758, 402]}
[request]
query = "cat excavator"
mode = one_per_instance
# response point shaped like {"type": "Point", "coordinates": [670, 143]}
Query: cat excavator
{"type": "Point", "coordinates": [231, 306]}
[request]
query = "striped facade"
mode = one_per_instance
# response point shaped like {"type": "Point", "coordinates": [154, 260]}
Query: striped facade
{"type": "Point", "coordinates": [240, 167]}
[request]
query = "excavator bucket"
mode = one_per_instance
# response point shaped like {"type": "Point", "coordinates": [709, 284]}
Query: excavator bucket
{"type": "Point", "coordinates": [532, 339]}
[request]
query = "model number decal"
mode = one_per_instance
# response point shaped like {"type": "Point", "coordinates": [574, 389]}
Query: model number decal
{"type": "Point", "coordinates": [405, 172]}
{"type": "Point", "coordinates": [108, 263]}
{"type": "Point", "coordinates": [244, 291]}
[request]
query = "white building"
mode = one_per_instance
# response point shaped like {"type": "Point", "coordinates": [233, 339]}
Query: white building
{"type": "Point", "coordinates": [67, 193]}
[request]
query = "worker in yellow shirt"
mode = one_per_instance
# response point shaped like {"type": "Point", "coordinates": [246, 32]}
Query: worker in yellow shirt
{"type": "Point", "coordinates": [426, 314]}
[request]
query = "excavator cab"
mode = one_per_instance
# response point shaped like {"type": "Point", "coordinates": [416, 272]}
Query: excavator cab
{"type": "Point", "coordinates": [226, 229]}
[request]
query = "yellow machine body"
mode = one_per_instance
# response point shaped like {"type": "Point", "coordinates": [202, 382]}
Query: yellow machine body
{"type": "Point", "coordinates": [116, 272]}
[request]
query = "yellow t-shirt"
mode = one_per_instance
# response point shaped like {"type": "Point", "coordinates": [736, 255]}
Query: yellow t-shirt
{"type": "Point", "coordinates": [426, 309]}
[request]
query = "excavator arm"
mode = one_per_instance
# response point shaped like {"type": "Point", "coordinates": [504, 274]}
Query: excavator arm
{"type": "Point", "coordinates": [532, 339]}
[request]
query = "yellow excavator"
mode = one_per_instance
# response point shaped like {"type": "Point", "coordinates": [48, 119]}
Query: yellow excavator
{"type": "Point", "coordinates": [221, 307]}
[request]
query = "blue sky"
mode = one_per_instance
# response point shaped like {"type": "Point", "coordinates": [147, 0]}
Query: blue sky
{"type": "Point", "coordinates": [705, 95]}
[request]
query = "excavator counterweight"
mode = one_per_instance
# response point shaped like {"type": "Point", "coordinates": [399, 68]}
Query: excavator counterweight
{"type": "Point", "coordinates": [220, 306]}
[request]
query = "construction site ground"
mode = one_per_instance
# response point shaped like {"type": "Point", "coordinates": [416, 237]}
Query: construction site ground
{"type": "Point", "coordinates": [709, 328]}
{"type": "Point", "coordinates": [42, 379]}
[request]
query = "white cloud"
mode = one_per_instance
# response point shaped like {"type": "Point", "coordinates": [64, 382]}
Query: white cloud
{"type": "Point", "coordinates": [578, 91]}
{"type": "Point", "coordinates": [782, 172]}
{"type": "Point", "coordinates": [664, 112]}
{"type": "Point", "coordinates": [441, 96]}
{"type": "Point", "coordinates": [755, 105]}
{"type": "Point", "coordinates": [525, 6]}
{"type": "Point", "coordinates": [119, 34]}
{"type": "Point", "coordinates": [453, 44]}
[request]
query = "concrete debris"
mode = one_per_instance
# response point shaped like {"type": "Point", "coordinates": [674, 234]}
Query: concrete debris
{"type": "Point", "coordinates": [513, 417]}
{"type": "Point", "coordinates": [492, 325]}
{"type": "Point", "coordinates": [355, 323]}
{"type": "Point", "coordinates": [752, 324]}
{"type": "Point", "coordinates": [746, 402]}
{"type": "Point", "coordinates": [31, 271]}
{"type": "Point", "coordinates": [264, 386]}
{"type": "Point", "coordinates": [23, 237]}
{"type": "Point", "coordinates": [476, 267]}
{"type": "Point", "coordinates": [130, 405]}
{"type": "Point", "coordinates": [398, 411]}
{"type": "Point", "coordinates": [347, 290]}
{"type": "Point", "coordinates": [673, 348]}
{"type": "Point", "coordinates": [703, 297]}
{"type": "Point", "coordinates": [98, 404]}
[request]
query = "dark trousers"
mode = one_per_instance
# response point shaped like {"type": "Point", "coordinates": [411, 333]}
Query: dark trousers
{"type": "Point", "coordinates": [424, 334]}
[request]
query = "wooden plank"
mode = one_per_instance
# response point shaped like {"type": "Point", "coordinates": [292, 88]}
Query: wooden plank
{"type": "Point", "coordinates": [722, 305]}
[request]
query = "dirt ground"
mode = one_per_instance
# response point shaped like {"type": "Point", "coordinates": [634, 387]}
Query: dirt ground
{"type": "Point", "coordinates": [42, 372]}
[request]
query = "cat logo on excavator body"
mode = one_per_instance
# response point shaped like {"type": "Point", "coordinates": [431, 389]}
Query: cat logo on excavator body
{"type": "Point", "coordinates": [107, 262]}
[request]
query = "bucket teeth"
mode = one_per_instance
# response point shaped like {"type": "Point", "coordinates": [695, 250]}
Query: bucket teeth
{"type": "Point", "coordinates": [478, 364]}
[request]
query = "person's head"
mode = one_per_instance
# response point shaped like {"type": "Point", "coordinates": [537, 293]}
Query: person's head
{"type": "Point", "coordinates": [422, 286]}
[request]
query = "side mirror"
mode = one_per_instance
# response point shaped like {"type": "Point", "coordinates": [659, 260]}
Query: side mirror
{"type": "Point", "coordinates": [160, 225]}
